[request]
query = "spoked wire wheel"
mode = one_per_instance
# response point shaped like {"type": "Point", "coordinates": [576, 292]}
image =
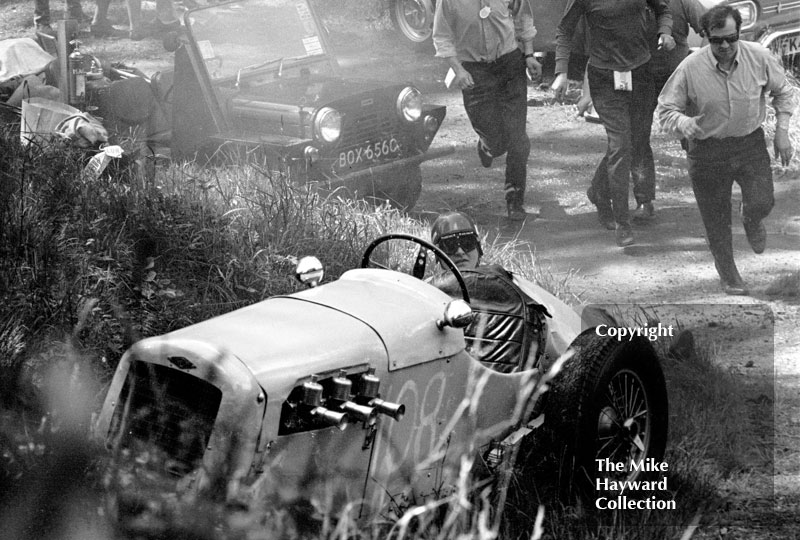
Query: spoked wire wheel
{"type": "Point", "coordinates": [608, 401]}
{"type": "Point", "coordinates": [623, 425]}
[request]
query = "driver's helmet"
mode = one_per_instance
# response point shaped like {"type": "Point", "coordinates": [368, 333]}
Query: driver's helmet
{"type": "Point", "coordinates": [454, 225]}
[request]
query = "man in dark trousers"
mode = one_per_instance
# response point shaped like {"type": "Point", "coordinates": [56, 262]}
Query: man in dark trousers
{"type": "Point", "coordinates": [716, 99]}
{"type": "Point", "coordinates": [489, 45]}
{"type": "Point", "coordinates": [685, 14]}
{"type": "Point", "coordinates": [621, 86]}
{"type": "Point", "coordinates": [41, 14]}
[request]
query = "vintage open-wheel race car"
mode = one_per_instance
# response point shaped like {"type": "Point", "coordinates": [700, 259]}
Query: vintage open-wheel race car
{"type": "Point", "coordinates": [369, 389]}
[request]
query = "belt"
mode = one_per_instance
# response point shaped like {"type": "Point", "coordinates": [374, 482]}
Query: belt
{"type": "Point", "coordinates": [497, 60]}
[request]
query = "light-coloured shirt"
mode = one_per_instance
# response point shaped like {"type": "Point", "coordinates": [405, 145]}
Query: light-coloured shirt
{"type": "Point", "coordinates": [732, 104]}
{"type": "Point", "coordinates": [460, 31]}
{"type": "Point", "coordinates": [618, 30]}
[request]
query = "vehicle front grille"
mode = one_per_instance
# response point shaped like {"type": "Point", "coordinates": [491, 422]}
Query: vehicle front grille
{"type": "Point", "coordinates": [167, 415]}
{"type": "Point", "coordinates": [368, 126]}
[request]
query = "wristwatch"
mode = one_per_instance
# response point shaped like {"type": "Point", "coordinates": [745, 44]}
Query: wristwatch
{"type": "Point", "coordinates": [529, 55]}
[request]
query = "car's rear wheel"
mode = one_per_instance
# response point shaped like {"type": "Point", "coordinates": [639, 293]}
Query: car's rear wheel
{"type": "Point", "coordinates": [413, 20]}
{"type": "Point", "coordinates": [608, 401]}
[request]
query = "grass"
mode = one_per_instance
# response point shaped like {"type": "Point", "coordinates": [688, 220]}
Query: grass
{"type": "Point", "coordinates": [88, 266]}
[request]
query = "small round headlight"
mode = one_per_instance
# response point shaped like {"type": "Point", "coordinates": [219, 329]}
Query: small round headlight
{"type": "Point", "coordinates": [409, 104]}
{"type": "Point", "coordinates": [431, 124]}
{"type": "Point", "coordinates": [328, 124]}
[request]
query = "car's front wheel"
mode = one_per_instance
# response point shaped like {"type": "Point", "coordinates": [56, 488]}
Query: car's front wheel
{"type": "Point", "coordinates": [607, 405]}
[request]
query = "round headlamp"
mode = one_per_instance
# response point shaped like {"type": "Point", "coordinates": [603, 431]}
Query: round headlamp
{"type": "Point", "coordinates": [328, 124]}
{"type": "Point", "coordinates": [409, 104]}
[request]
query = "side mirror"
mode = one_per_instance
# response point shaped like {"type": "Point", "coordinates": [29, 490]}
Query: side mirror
{"type": "Point", "coordinates": [309, 271]}
{"type": "Point", "coordinates": [457, 314]}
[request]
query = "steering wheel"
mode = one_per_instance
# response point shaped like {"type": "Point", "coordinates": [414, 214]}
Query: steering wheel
{"type": "Point", "coordinates": [419, 265]}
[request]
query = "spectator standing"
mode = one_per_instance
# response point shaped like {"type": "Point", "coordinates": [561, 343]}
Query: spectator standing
{"type": "Point", "coordinates": [716, 99]}
{"type": "Point", "coordinates": [622, 89]}
{"type": "Point", "coordinates": [489, 45]}
{"type": "Point", "coordinates": [41, 14]}
{"type": "Point", "coordinates": [685, 14]}
{"type": "Point", "coordinates": [166, 19]}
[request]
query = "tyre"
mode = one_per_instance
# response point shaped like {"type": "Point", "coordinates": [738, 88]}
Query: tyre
{"type": "Point", "coordinates": [413, 21]}
{"type": "Point", "coordinates": [406, 186]}
{"type": "Point", "coordinates": [609, 401]}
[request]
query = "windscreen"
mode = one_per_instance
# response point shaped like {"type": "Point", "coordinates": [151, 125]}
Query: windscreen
{"type": "Point", "coordinates": [250, 34]}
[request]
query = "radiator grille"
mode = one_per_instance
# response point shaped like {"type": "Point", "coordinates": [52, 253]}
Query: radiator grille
{"type": "Point", "coordinates": [169, 411]}
{"type": "Point", "coordinates": [368, 126]}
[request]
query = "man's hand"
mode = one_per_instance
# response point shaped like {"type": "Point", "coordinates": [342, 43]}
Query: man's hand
{"type": "Point", "coordinates": [666, 42]}
{"type": "Point", "coordinates": [584, 103]}
{"type": "Point", "coordinates": [783, 146]}
{"type": "Point", "coordinates": [690, 128]}
{"type": "Point", "coordinates": [534, 68]}
{"type": "Point", "coordinates": [559, 86]}
{"type": "Point", "coordinates": [463, 79]}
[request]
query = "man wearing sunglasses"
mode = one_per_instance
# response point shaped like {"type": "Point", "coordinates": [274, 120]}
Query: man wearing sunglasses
{"type": "Point", "coordinates": [716, 99]}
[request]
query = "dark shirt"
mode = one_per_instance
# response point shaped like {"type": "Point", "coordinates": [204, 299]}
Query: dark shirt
{"type": "Point", "coordinates": [618, 29]}
{"type": "Point", "coordinates": [685, 14]}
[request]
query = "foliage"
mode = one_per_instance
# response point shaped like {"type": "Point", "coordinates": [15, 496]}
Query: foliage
{"type": "Point", "coordinates": [87, 265]}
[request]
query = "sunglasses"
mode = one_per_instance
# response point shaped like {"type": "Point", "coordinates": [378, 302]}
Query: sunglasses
{"type": "Point", "coordinates": [450, 245]}
{"type": "Point", "coordinates": [717, 40]}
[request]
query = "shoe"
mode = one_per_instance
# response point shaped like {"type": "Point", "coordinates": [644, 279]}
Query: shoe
{"type": "Point", "coordinates": [45, 29]}
{"type": "Point", "coordinates": [731, 282]}
{"type": "Point", "coordinates": [624, 235]}
{"type": "Point", "coordinates": [735, 287]}
{"type": "Point", "coordinates": [105, 29]}
{"type": "Point", "coordinates": [604, 213]}
{"type": "Point", "coordinates": [137, 34]}
{"type": "Point", "coordinates": [484, 154]}
{"type": "Point", "coordinates": [516, 212]}
{"type": "Point", "coordinates": [756, 235]}
{"type": "Point", "coordinates": [643, 213]}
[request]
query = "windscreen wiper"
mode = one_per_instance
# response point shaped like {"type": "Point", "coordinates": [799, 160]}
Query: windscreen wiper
{"type": "Point", "coordinates": [278, 61]}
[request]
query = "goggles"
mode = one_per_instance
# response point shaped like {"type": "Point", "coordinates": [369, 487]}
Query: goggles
{"type": "Point", "coordinates": [466, 241]}
{"type": "Point", "coordinates": [717, 40]}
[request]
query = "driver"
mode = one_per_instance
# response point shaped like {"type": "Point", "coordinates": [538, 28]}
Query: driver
{"type": "Point", "coordinates": [509, 330]}
{"type": "Point", "coordinates": [513, 329]}
{"type": "Point", "coordinates": [456, 234]}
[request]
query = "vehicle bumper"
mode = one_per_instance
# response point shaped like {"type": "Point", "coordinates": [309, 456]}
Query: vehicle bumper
{"type": "Point", "coordinates": [400, 164]}
{"type": "Point", "coordinates": [381, 179]}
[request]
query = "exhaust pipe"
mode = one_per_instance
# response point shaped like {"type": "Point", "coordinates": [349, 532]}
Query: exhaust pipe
{"type": "Point", "coordinates": [361, 413]}
{"type": "Point", "coordinates": [395, 410]}
{"type": "Point", "coordinates": [332, 418]}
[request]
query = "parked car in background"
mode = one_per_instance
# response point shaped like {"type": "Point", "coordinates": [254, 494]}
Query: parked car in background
{"type": "Point", "coordinates": [260, 75]}
{"type": "Point", "coordinates": [776, 25]}
{"type": "Point", "coordinates": [361, 391]}
{"type": "Point", "coordinates": [413, 20]}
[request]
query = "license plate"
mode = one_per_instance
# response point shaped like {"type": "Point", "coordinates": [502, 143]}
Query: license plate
{"type": "Point", "coordinates": [369, 153]}
{"type": "Point", "coordinates": [787, 45]}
